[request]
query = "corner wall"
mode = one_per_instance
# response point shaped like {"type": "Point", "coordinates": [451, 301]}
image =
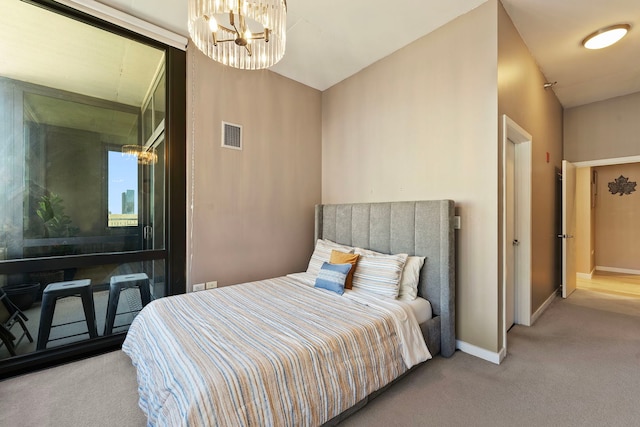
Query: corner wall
{"type": "Point", "coordinates": [603, 130]}
{"type": "Point", "coordinates": [253, 210]}
{"type": "Point", "coordinates": [521, 96]}
{"type": "Point", "coordinates": [422, 124]}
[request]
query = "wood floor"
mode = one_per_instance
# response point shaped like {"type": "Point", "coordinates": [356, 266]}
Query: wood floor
{"type": "Point", "coordinates": [612, 283]}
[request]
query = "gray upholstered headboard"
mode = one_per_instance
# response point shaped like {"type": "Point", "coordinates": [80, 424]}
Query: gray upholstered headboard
{"type": "Point", "coordinates": [423, 228]}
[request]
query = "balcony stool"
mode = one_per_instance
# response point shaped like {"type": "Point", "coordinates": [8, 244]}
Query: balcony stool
{"type": "Point", "coordinates": [55, 291]}
{"type": "Point", "coordinates": [119, 283]}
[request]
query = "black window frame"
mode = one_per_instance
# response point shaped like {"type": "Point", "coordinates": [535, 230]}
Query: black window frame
{"type": "Point", "coordinates": [174, 251]}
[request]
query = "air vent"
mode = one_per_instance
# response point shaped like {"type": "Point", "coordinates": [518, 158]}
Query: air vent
{"type": "Point", "coordinates": [231, 136]}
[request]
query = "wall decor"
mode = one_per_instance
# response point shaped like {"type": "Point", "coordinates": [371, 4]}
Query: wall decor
{"type": "Point", "coordinates": [622, 185]}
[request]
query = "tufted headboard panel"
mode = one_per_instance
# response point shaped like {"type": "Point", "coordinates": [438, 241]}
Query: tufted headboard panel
{"type": "Point", "coordinates": [422, 228]}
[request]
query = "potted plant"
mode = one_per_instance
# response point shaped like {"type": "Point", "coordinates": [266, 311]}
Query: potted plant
{"type": "Point", "coordinates": [56, 222]}
{"type": "Point", "coordinates": [23, 295]}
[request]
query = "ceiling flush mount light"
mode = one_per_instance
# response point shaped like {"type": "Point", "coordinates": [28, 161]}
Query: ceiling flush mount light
{"type": "Point", "coordinates": [245, 34]}
{"type": "Point", "coordinates": [606, 36]}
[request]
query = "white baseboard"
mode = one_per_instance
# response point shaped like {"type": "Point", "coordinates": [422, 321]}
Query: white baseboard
{"type": "Point", "coordinates": [543, 307]}
{"type": "Point", "coordinates": [617, 270]}
{"type": "Point", "coordinates": [480, 352]}
{"type": "Point", "coordinates": [587, 276]}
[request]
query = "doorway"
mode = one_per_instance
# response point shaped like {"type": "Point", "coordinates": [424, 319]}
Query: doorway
{"type": "Point", "coordinates": [606, 282]}
{"type": "Point", "coordinates": [516, 242]}
{"type": "Point", "coordinates": [607, 235]}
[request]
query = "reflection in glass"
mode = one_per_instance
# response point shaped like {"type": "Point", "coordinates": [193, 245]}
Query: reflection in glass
{"type": "Point", "coordinates": [71, 97]}
{"type": "Point", "coordinates": [159, 104]}
{"type": "Point", "coordinates": [122, 177]}
{"type": "Point", "coordinates": [68, 320]}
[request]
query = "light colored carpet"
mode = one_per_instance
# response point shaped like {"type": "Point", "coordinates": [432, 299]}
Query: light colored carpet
{"type": "Point", "coordinates": [95, 392]}
{"type": "Point", "coordinates": [579, 365]}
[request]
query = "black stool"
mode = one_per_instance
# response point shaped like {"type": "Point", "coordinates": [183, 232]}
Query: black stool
{"type": "Point", "coordinates": [52, 293]}
{"type": "Point", "coordinates": [118, 283]}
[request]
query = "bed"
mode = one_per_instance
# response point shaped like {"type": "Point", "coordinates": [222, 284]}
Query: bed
{"type": "Point", "coordinates": [282, 352]}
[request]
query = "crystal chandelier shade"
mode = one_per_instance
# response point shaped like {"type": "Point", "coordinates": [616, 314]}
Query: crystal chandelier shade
{"type": "Point", "coordinates": [145, 156]}
{"type": "Point", "coordinates": [245, 34]}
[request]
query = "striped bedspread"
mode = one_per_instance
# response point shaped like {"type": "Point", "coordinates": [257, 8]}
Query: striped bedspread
{"type": "Point", "coordinates": [268, 353]}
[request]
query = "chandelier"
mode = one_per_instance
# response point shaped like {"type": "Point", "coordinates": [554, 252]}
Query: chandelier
{"type": "Point", "coordinates": [145, 156]}
{"type": "Point", "coordinates": [245, 34]}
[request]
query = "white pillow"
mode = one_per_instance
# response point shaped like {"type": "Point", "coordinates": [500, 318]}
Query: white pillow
{"type": "Point", "coordinates": [322, 253]}
{"type": "Point", "coordinates": [378, 274]}
{"type": "Point", "coordinates": [410, 278]}
{"type": "Point", "coordinates": [361, 251]}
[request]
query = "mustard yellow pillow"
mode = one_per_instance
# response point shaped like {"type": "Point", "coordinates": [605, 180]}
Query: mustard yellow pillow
{"type": "Point", "coordinates": [338, 257]}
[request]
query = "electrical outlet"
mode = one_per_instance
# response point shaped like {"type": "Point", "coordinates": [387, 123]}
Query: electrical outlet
{"type": "Point", "coordinates": [198, 287]}
{"type": "Point", "coordinates": [211, 285]}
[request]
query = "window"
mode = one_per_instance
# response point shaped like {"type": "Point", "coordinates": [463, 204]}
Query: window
{"type": "Point", "coordinates": [86, 135]}
{"type": "Point", "coordinates": [122, 176]}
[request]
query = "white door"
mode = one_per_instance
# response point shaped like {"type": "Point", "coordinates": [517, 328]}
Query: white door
{"type": "Point", "coordinates": [516, 242]}
{"type": "Point", "coordinates": [568, 228]}
{"type": "Point", "coordinates": [510, 228]}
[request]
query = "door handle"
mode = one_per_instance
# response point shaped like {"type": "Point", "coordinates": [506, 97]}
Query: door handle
{"type": "Point", "coordinates": [566, 236]}
{"type": "Point", "coordinates": [516, 242]}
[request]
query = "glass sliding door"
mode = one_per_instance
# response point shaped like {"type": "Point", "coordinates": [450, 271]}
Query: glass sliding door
{"type": "Point", "coordinates": [83, 179]}
{"type": "Point", "coordinates": [152, 210]}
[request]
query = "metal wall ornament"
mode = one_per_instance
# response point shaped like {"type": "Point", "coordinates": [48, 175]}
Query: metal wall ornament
{"type": "Point", "coordinates": [622, 185]}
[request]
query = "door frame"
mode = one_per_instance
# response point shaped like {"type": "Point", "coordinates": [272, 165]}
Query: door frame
{"type": "Point", "coordinates": [605, 162]}
{"type": "Point", "coordinates": [512, 133]}
{"type": "Point", "coordinates": [568, 227]}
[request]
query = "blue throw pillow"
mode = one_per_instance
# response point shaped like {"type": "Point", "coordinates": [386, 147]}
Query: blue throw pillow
{"type": "Point", "coordinates": [332, 277]}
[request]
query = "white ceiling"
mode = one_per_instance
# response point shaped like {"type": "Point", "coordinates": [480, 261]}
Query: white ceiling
{"type": "Point", "coordinates": [77, 58]}
{"type": "Point", "coordinates": [329, 40]}
{"type": "Point", "coordinates": [554, 29]}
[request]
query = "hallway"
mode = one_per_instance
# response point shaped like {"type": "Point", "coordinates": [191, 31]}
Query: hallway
{"type": "Point", "coordinates": [612, 283]}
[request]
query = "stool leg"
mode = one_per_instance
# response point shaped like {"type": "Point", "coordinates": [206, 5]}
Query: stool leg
{"type": "Point", "coordinates": [112, 307]}
{"type": "Point", "coordinates": [145, 292]}
{"type": "Point", "coordinates": [89, 311]}
{"type": "Point", "coordinates": [46, 317]}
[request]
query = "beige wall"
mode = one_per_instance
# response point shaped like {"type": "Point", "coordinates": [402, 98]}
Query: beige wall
{"type": "Point", "coordinates": [617, 220]}
{"type": "Point", "coordinates": [585, 222]}
{"type": "Point", "coordinates": [253, 209]}
{"type": "Point", "coordinates": [603, 130]}
{"type": "Point", "coordinates": [607, 130]}
{"type": "Point", "coordinates": [521, 96]}
{"type": "Point", "coordinates": [422, 124]}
